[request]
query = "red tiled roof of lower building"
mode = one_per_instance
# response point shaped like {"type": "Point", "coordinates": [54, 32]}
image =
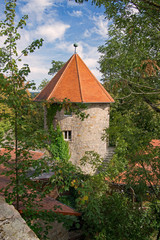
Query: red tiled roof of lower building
{"type": "Point", "coordinates": [48, 203]}
{"type": "Point", "coordinates": [5, 180]}
{"type": "Point", "coordinates": [155, 142]}
{"type": "Point", "coordinates": [132, 175]}
{"type": "Point", "coordinates": [34, 154]}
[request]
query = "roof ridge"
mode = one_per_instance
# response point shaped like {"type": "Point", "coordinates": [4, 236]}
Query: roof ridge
{"type": "Point", "coordinates": [60, 79]}
{"type": "Point", "coordinates": [105, 91]}
{"type": "Point", "coordinates": [76, 82]}
{"type": "Point", "coordinates": [78, 78]}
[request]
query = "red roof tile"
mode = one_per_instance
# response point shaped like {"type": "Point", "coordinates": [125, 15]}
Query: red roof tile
{"type": "Point", "coordinates": [34, 154]}
{"type": "Point", "coordinates": [155, 142]}
{"type": "Point", "coordinates": [134, 176]}
{"type": "Point", "coordinates": [48, 203]}
{"type": "Point", "coordinates": [5, 180]}
{"type": "Point", "coordinates": [153, 171]}
{"type": "Point", "coordinates": [75, 82]}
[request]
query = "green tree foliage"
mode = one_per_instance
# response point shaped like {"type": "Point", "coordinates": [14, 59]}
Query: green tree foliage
{"type": "Point", "coordinates": [58, 147]}
{"type": "Point", "coordinates": [115, 218]}
{"type": "Point", "coordinates": [56, 66]}
{"type": "Point", "coordinates": [130, 58]}
{"type": "Point", "coordinates": [3, 55]}
{"type": "Point", "coordinates": [130, 131]}
{"type": "Point", "coordinates": [14, 95]}
{"type": "Point", "coordinates": [130, 63]}
{"type": "Point", "coordinates": [130, 67]}
{"type": "Point", "coordinates": [43, 84]}
{"type": "Point", "coordinates": [4, 123]}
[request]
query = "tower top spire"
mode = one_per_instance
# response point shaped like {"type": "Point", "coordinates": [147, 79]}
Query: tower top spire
{"type": "Point", "coordinates": [75, 45]}
{"type": "Point", "coordinates": [74, 81]}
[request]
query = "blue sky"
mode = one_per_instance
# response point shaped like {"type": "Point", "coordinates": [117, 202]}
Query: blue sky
{"type": "Point", "coordinates": [60, 23]}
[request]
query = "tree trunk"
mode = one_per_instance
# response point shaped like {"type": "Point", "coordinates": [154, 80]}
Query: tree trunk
{"type": "Point", "coordinates": [158, 236]}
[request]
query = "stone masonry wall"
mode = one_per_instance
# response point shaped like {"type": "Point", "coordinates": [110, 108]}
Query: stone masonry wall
{"type": "Point", "coordinates": [12, 225]}
{"type": "Point", "coordinates": [87, 134]}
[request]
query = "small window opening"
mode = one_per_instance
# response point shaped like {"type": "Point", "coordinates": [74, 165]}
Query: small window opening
{"type": "Point", "coordinates": [67, 135]}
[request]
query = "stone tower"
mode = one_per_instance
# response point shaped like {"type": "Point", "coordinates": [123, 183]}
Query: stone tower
{"type": "Point", "coordinates": [76, 82]}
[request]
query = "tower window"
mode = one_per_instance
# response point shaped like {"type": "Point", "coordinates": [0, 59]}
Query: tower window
{"type": "Point", "coordinates": [67, 135]}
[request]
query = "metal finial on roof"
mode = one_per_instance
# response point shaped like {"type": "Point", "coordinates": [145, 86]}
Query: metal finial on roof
{"type": "Point", "coordinates": [75, 45]}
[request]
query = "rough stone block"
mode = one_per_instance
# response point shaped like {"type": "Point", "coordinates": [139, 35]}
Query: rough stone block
{"type": "Point", "coordinates": [12, 225]}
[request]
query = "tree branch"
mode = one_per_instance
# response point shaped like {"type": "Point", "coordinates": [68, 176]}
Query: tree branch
{"type": "Point", "coordinates": [149, 181]}
{"type": "Point", "coordinates": [155, 108]}
{"type": "Point", "coordinates": [153, 4]}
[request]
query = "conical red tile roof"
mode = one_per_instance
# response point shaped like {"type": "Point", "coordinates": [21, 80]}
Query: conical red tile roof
{"type": "Point", "coordinates": [75, 82]}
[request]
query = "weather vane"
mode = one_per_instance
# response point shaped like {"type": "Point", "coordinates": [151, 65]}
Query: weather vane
{"type": "Point", "coordinates": [75, 45]}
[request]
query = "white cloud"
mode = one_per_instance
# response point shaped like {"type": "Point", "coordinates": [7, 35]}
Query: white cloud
{"type": "Point", "coordinates": [52, 31]}
{"type": "Point", "coordinates": [39, 66]}
{"type": "Point", "coordinates": [75, 13]}
{"type": "Point", "coordinates": [91, 62]}
{"type": "Point", "coordinates": [2, 40]}
{"type": "Point", "coordinates": [133, 10]}
{"type": "Point", "coordinates": [40, 11]}
{"type": "Point", "coordinates": [36, 7]}
{"type": "Point", "coordinates": [65, 46]}
{"type": "Point", "coordinates": [96, 73]}
{"type": "Point", "coordinates": [68, 47]}
{"type": "Point", "coordinates": [87, 33]}
{"type": "Point", "coordinates": [101, 27]}
{"type": "Point", "coordinates": [26, 39]}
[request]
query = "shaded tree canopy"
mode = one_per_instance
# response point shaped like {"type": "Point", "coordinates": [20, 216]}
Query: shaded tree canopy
{"type": "Point", "coordinates": [56, 66]}
{"type": "Point", "coordinates": [130, 60]}
{"type": "Point", "coordinates": [43, 84]}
